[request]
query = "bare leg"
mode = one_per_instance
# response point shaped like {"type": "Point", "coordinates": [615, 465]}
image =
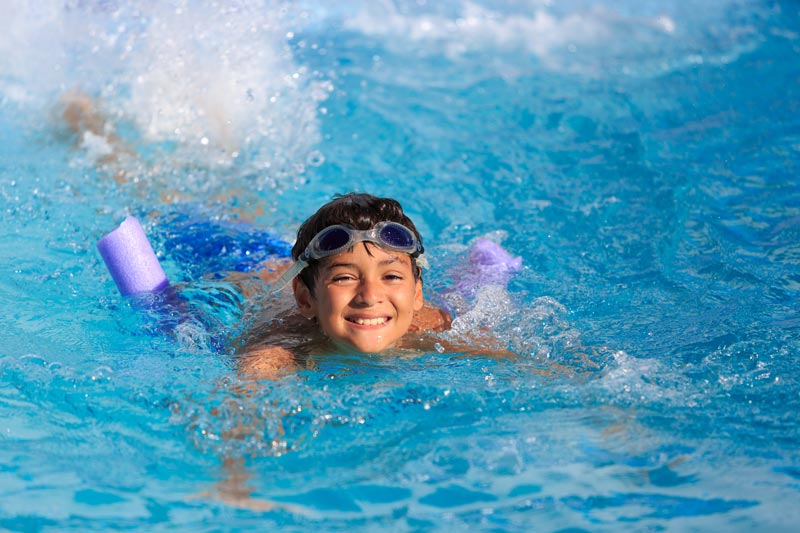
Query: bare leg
{"type": "Point", "coordinates": [81, 114]}
{"type": "Point", "coordinates": [84, 117]}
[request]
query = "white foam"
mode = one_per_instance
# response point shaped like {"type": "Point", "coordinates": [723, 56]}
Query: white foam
{"type": "Point", "coordinates": [96, 147]}
{"type": "Point", "coordinates": [224, 79]}
{"type": "Point", "coordinates": [632, 38]}
{"type": "Point", "coordinates": [537, 30]}
{"type": "Point", "coordinates": [492, 302]}
{"type": "Point", "coordinates": [632, 379]}
{"type": "Point", "coordinates": [217, 80]}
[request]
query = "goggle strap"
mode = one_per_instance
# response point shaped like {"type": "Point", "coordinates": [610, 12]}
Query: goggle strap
{"type": "Point", "coordinates": [289, 275]}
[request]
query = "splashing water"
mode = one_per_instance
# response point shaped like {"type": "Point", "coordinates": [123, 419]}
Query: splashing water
{"type": "Point", "coordinates": [213, 85]}
{"type": "Point", "coordinates": [640, 158]}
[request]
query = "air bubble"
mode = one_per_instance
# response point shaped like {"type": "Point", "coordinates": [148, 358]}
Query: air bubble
{"type": "Point", "coordinates": [315, 158]}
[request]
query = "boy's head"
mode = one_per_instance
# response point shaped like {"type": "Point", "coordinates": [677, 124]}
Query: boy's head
{"type": "Point", "coordinates": [358, 211]}
{"type": "Point", "coordinates": [363, 294]}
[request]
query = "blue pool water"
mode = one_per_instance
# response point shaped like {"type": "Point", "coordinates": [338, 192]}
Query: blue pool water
{"type": "Point", "coordinates": [641, 157]}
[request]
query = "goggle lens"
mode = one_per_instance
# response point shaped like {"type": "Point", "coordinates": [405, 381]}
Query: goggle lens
{"type": "Point", "coordinates": [333, 239]}
{"type": "Point", "coordinates": [397, 236]}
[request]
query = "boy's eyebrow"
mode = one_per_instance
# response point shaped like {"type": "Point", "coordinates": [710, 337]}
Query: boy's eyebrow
{"type": "Point", "coordinates": [383, 262]}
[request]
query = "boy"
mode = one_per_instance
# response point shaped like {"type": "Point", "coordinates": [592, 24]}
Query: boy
{"type": "Point", "coordinates": [357, 285]}
{"type": "Point", "coordinates": [366, 297]}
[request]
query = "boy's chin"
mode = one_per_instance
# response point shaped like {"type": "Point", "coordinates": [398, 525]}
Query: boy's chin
{"type": "Point", "coordinates": [364, 346]}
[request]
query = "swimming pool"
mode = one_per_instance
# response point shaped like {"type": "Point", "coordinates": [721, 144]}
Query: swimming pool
{"type": "Point", "coordinates": [641, 157]}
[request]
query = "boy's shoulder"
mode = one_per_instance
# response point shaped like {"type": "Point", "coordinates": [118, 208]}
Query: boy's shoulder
{"type": "Point", "coordinates": [430, 318]}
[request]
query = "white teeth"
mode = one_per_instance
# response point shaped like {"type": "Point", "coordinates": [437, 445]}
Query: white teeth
{"type": "Point", "coordinates": [369, 321]}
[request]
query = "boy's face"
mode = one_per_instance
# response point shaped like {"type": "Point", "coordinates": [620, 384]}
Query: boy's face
{"type": "Point", "coordinates": [364, 298]}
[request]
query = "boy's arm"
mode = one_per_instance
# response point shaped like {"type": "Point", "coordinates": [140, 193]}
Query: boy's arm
{"type": "Point", "coordinates": [266, 362]}
{"type": "Point", "coordinates": [481, 347]}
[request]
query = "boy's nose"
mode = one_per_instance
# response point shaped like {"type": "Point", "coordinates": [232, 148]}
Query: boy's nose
{"type": "Point", "coordinates": [369, 292]}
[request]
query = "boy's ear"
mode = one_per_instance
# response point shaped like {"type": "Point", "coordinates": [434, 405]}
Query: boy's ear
{"type": "Point", "coordinates": [419, 301]}
{"type": "Point", "coordinates": [304, 299]}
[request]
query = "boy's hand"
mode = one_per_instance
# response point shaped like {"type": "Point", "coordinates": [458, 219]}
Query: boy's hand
{"type": "Point", "coordinates": [266, 362]}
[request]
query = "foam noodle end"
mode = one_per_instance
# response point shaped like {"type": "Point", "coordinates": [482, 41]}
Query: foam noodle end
{"type": "Point", "coordinates": [487, 264]}
{"type": "Point", "coordinates": [130, 259]}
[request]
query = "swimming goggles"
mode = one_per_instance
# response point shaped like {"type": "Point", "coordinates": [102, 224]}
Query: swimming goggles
{"type": "Point", "coordinates": [336, 239]}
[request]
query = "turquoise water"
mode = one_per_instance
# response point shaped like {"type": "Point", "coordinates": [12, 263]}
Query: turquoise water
{"type": "Point", "coordinates": [641, 157]}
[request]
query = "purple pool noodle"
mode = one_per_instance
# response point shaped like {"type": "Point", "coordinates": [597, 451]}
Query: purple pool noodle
{"type": "Point", "coordinates": [130, 259]}
{"type": "Point", "coordinates": [487, 264]}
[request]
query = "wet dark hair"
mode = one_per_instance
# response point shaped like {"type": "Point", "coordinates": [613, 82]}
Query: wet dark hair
{"type": "Point", "coordinates": [357, 210]}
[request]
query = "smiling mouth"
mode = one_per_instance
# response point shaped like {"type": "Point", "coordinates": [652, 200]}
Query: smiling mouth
{"type": "Point", "coordinates": [369, 321]}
